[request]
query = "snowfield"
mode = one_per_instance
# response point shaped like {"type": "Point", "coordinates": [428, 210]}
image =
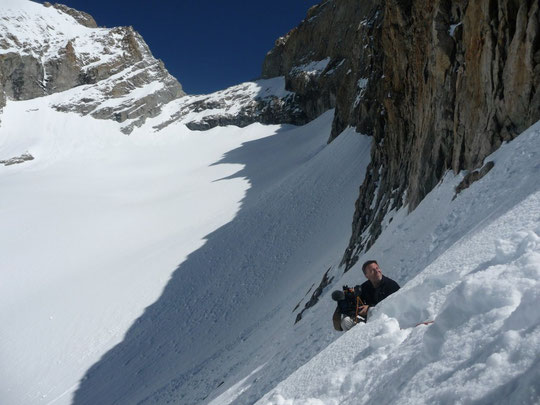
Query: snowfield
{"type": "Point", "coordinates": [94, 226]}
{"type": "Point", "coordinates": [99, 222]}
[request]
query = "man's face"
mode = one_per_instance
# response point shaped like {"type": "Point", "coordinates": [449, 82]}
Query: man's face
{"type": "Point", "coordinates": [373, 273]}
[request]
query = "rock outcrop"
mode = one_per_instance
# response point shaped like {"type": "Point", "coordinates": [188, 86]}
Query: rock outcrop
{"type": "Point", "coordinates": [111, 73]}
{"type": "Point", "coordinates": [438, 84]}
{"type": "Point", "coordinates": [263, 101]}
{"type": "Point", "coordinates": [17, 159]}
{"type": "Point", "coordinates": [333, 60]}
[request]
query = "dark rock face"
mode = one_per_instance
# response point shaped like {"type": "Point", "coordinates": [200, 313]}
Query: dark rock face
{"type": "Point", "coordinates": [2, 97]}
{"type": "Point", "coordinates": [346, 34]}
{"type": "Point", "coordinates": [265, 111]}
{"type": "Point", "coordinates": [473, 176]}
{"type": "Point", "coordinates": [20, 76]}
{"type": "Point", "coordinates": [460, 78]}
{"type": "Point", "coordinates": [438, 84]}
{"type": "Point", "coordinates": [315, 296]}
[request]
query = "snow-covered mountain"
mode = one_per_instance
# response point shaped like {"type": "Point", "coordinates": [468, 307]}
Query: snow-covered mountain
{"type": "Point", "coordinates": [48, 49]}
{"type": "Point", "coordinates": [171, 265]}
{"type": "Point", "coordinates": [110, 73]}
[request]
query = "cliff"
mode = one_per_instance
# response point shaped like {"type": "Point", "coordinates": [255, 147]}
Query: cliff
{"type": "Point", "coordinates": [438, 84]}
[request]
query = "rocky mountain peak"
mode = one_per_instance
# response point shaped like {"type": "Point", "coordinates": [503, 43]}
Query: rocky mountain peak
{"type": "Point", "coordinates": [110, 72]}
{"type": "Point", "coordinates": [338, 38]}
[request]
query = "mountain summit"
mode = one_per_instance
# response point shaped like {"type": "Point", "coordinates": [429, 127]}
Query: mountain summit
{"type": "Point", "coordinates": [47, 49]}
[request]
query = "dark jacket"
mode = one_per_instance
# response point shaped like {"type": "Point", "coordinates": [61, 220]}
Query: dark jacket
{"type": "Point", "coordinates": [372, 296]}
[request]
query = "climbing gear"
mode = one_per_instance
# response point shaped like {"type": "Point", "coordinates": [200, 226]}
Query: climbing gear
{"type": "Point", "coordinates": [349, 302]}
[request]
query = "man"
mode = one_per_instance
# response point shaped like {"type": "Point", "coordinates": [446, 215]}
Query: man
{"type": "Point", "coordinates": [371, 292]}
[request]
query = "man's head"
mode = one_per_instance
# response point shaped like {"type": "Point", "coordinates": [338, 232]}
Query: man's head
{"type": "Point", "coordinates": [372, 271]}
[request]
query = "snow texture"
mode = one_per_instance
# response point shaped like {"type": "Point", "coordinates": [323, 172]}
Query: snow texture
{"type": "Point", "coordinates": [102, 226]}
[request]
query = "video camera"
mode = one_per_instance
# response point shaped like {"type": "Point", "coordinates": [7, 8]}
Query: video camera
{"type": "Point", "coordinates": [347, 291]}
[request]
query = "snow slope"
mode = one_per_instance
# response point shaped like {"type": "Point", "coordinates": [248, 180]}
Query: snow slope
{"type": "Point", "coordinates": [99, 221]}
{"type": "Point", "coordinates": [94, 227]}
{"type": "Point", "coordinates": [170, 266]}
{"type": "Point", "coordinates": [482, 292]}
{"type": "Point", "coordinates": [232, 300]}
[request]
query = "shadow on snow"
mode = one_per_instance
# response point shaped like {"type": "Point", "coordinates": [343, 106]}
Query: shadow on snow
{"type": "Point", "coordinates": [218, 296]}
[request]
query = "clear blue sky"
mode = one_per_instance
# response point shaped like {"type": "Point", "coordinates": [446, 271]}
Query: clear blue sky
{"type": "Point", "coordinates": [206, 45]}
